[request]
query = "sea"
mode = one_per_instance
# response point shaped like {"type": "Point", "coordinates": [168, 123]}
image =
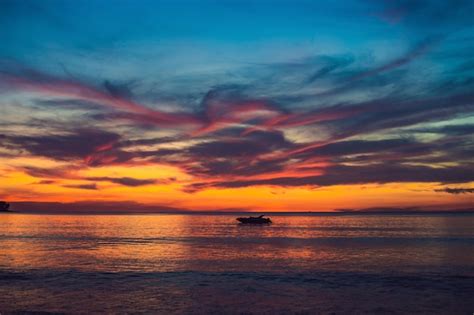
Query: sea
{"type": "Point", "coordinates": [211, 264]}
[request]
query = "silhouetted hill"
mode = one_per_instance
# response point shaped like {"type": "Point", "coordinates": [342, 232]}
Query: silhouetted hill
{"type": "Point", "coordinates": [4, 206]}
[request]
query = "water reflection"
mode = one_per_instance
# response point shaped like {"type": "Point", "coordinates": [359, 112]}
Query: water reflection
{"type": "Point", "coordinates": [180, 242]}
{"type": "Point", "coordinates": [211, 264]}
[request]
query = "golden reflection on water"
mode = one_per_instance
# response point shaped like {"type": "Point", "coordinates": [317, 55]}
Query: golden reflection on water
{"type": "Point", "coordinates": [215, 243]}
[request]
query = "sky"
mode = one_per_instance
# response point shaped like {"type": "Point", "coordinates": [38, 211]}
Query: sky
{"type": "Point", "coordinates": [237, 105]}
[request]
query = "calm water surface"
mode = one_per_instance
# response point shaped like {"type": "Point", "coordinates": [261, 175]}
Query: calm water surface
{"type": "Point", "coordinates": [210, 264]}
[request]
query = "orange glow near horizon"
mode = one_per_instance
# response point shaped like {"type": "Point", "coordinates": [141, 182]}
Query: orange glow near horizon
{"type": "Point", "coordinates": [235, 155]}
{"type": "Point", "coordinates": [169, 191]}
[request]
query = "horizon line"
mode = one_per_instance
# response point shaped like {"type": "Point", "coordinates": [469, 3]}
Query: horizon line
{"type": "Point", "coordinates": [274, 213]}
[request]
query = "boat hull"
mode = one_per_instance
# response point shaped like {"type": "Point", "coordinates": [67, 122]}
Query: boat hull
{"type": "Point", "coordinates": [254, 220]}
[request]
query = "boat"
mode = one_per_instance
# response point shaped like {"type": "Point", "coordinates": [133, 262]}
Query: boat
{"type": "Point", "coordinates": [254, 220]}
{"type": "Point", "coordinates": [4, 206]}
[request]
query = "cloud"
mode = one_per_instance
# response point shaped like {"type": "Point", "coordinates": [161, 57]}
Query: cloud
{"type": "Point", "coordinates": [236, 154]}
{"type": "Point", "coordinates": [223, 107]}
{"type": "Point", "coordinates": [417, 51]}
{"type": "Point", "coordinates": [242, 126]}
{"type": "Point", "coordinates": [118, 90]}
{"type": "Point", "coordinates": [257, 143]}
{"type": "Point", "coordinates": [66, 173]}
{"type": "Point", "coordinates": [125, 181]}
{"type": "Point", "coordinates": [424, 16]}
{"type": "Point", "coordinates": [266, 157]}
{"type": "Point", "coordinates": [67, 104]}
{"type": "Point", "coordinates": [82, 186]}
{"type": "Point", "coordinates": [91, 146]}
{"type": "Point", "coordinates": [451, 130]}
{"type": "Point", "coordinates": [330, 64]}
{"type": "Point", "coordinates": [456, 191]}
{"type": "Point", "coordinates": [46, 182]}
{"type": "Point", "coordinates": [114, 97]}
{"type": "Point", "coordinates": [358, 80]}
{"type": "Point", "coordinates": [383, 114]}
{"type": "Point", "coordinates": [73, 144]}
{"type": "Point", "coordinates": [109, 156]}
{"type": "Point", "coordinates": [41, 172]}
{"type": "Point", "coordinates": [342, 148]}
{"type": "Point", "coordinates": [373, 173]}
{"type": "Point", "coordinates": [288, 120]}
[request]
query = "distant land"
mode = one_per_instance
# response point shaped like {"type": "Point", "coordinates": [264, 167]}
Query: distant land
{"type": "Point", "coordinates": [129, 207]}
{"type": "Point", "coordinates": [4, 206]}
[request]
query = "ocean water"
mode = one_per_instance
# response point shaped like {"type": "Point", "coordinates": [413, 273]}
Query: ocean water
{"type": "Point", "coordinates": [209, 264]}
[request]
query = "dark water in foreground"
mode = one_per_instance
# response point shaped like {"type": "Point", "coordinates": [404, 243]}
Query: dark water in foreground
{"type": "Point", "coordinates": [209, 264]}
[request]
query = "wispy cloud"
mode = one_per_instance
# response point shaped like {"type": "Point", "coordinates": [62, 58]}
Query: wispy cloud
{"type": "Point", "coordinates": [32, 80]}
{"type": "Point", "coordinates": [456, 191]}
{"type": "Point", "coordinates": [82, 186]}
{"type": "Point", "coordinates": [369, 103]}
{"type": "Point", "coordinates": [125, 181]}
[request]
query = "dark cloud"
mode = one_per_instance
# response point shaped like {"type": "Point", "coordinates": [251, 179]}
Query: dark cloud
{"type": "Point", "coordinates": [76, 144]}
{"type": "Point", "coordinates": [41, 172]}
{"type": "Point", "coordinates": [83, 186]}
{"type": "Point", "coordinates": [118, 90]}
{"type": "Point", "coordinates": [391, 113]}
{"type": "Point", "coordinates": [125, 181]}
{"type": "Point", "coordinates": [46, 182]}
{"type": "Point", "coordinates": [148, 141]}
{"type": "Point", "coordinates": [456, 191]}
{"type": "Point", "coordinates": [237, 155]}
{"type": "Point", "coordinates": [66, 104]}
{"type": "Point", "coordinates": [109, 157]}
{"type": "Point", "coordinates": [329, 64]}
{"type": "Point", "coordinates": [376, 173]}
{"type": "Point", "coordinates": [361, 146]}
{"type": "Point", "coordinates": [65, 173]}
{"type": "Point", "coordinates": [95, 147]}
{"type": "Point", "coordinates": [218, 168]}
{"type": "Point", "coordinates": [257, 144]}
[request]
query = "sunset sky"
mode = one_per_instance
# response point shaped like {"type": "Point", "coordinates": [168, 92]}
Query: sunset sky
{"type": "Point", "coordinates": [237, 105]}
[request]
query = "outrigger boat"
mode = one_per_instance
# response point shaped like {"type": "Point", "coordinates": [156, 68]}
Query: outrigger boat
{"type": "Point", "coordinates": [255, 220]}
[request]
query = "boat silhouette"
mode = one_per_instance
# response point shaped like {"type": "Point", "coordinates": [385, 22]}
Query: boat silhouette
{"type": "Point", "coordinates": [254, 220]}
